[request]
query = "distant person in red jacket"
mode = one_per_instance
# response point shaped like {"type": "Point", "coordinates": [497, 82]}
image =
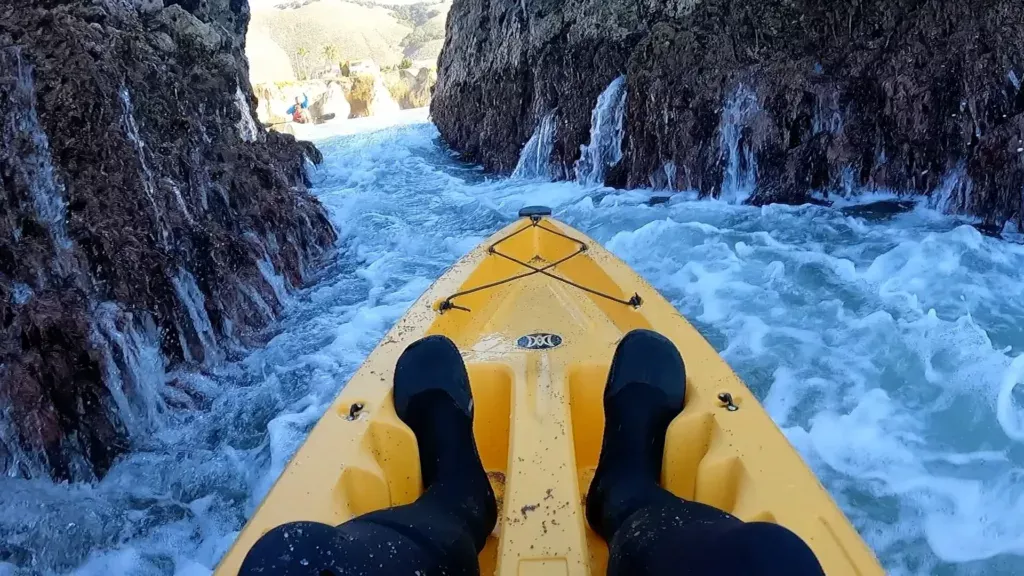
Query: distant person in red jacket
{"type": "Point", "coordinates": [300, 110]}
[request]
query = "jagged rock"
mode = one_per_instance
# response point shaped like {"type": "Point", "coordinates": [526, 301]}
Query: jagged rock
{"type": "Point", "coordinates": [331, 103]}
{"type": "Point", "coordinates": [148, 6]}
{"type": "Point", "coordinates": [145, 218]}
{"type": "Point", "coordinates": [162, 42]}
{"type": "Point", "coordinates": [187, 27]}
{"type": "Point", "coordinates": [368, 95]}
{"type": "Point", "coordinates": [894, 94]}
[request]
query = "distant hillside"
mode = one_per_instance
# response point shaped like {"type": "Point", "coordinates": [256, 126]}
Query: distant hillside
{"type": "Point", "coordinates": [313, 33]}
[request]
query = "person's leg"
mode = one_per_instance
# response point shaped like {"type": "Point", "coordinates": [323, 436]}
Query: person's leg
{"type": "Point", "coordinates": [648, 529]}
{"type": "Point", "coordinates": [444, 529]}
{"type": "Point", "coordinates": [691, 539]}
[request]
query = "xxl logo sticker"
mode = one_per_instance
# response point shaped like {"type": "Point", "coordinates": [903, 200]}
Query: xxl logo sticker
{"type": "Point", "coordinates": [539, 341]}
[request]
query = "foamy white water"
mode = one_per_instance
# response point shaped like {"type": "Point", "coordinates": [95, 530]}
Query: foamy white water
{"type": "Point", "coordinates": [883, 345]}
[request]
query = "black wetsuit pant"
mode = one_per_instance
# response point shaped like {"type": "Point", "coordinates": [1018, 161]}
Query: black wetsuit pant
{"type": "Point", "coordinates": [443, 531]}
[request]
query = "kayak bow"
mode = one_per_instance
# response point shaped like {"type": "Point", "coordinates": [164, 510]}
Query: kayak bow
{"type": "Point", "coordinates": [537, 311]}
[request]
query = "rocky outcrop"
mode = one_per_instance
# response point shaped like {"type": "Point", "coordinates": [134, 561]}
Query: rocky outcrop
{"type": "Point", "coordinates": [369, 96]}
{"type": "Point", "coordinates": [331, 104]}
{"type": "Point", "coordinates": [145, 219]}
{"type": "Point", "coordinates": [409, 89]}
{"type": "Point", "coordinates": [914, 96]}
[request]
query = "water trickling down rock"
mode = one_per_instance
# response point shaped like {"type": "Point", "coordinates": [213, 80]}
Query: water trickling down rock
{"type": "Point", "coordinates": [737, 149]}
{"type": "Point", "coordinates": [606, 128]}
{"type": "Point", "coordinates": [855, 96]}
{"type": "Point", "coordinates": [535, 159]}
{"type": "Point", "coordinates": [139, 198]}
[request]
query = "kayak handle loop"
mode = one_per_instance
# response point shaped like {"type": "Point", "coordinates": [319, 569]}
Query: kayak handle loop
{"type": "Point", "coordinates": [726, 399]}
{"type": "Point", "coordinates": [354, 410]}
{"type": "Point", "coordinates": [535, 222]}
{"type": "Point", "coordinates": [447, 305]}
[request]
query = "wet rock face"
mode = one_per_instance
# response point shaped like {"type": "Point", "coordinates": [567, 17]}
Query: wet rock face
{"type": "Point", "coordinates": [914, 96]}
{"type": "Point", "coordinates": [145, 218]}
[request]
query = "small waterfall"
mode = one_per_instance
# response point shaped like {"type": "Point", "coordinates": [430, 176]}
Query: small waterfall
{"type": "Point", "coordinates": [951, 195]}
{"type": "Point", "coordinates": [301, 261]}
{"type": "Point", "coordinates": [740, 178]}
{"type": "Point", "coordinates": [247, 130]}
{"type": "Point", "coordinates": [199, 181]}
{"type": "Point", "coordinates": [32, 162]}
{"type": "Point", "coordinates": [664, 178]}
{"type": "Point", "coordinates": [195, 304]}
{"type": "Point", "coordinates": [273, 279]}
{"type": "Point", "coordinates": [15, 460]}
{"type": "Point", "coordinates": [606, 129]}
{"type": "Point", "coordinates": [1014, 80]}
{"type": "Point", "coordinates": [131, 130]}
{"type": "Point", "coordinates": [134, 367]}
{"type": "Point", "coordinates": [848, 182]}
{"type": "Point", "coordinates": [254, 296]}
{"type": "Point", "coordinates": [827, 117]}
{"type": "Point", "coordinates": [670, 175]}
{"type": "Point", "coordinates": [181, 199]}
{"type": "Point", "coordinates": [535, 159]}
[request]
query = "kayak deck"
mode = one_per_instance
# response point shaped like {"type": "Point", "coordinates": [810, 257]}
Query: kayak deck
{"type": "Point", "coordinates": [538, 351]}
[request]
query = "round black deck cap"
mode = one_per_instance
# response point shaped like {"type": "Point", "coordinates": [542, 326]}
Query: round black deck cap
{"type": "Point", "coordinates": [534, 211]}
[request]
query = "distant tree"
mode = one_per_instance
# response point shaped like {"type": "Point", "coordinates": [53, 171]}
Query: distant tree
{"type": "Point", "coordinates": [346, 68]}
{"type": "Point", "coordinates": [332, 54]}
{"type": "Point", "coordinates": [303, 65]}
{"type": "Point", "coordinates": [405, 64]}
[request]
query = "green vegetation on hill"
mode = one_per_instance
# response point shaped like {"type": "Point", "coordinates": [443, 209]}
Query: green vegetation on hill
{"type": "Point", "coordinates": [422, 35]}
{"type": "Point", "coordinates": [415, 15]}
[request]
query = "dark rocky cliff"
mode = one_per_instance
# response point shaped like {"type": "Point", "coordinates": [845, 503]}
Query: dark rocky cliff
{"type": "Point", "coordinates": [145, 219]}
{"type": "Point", "coordinates": [912, 96]}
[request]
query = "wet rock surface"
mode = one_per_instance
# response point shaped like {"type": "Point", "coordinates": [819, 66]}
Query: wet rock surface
{"type": "Point", "coordinates": [145, 218]}
{"type": "Point", "coordinates": [912, 96]}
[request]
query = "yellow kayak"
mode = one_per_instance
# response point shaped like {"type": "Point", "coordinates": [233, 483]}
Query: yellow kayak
{"type": "Point", "coordinates": [537, 311]}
